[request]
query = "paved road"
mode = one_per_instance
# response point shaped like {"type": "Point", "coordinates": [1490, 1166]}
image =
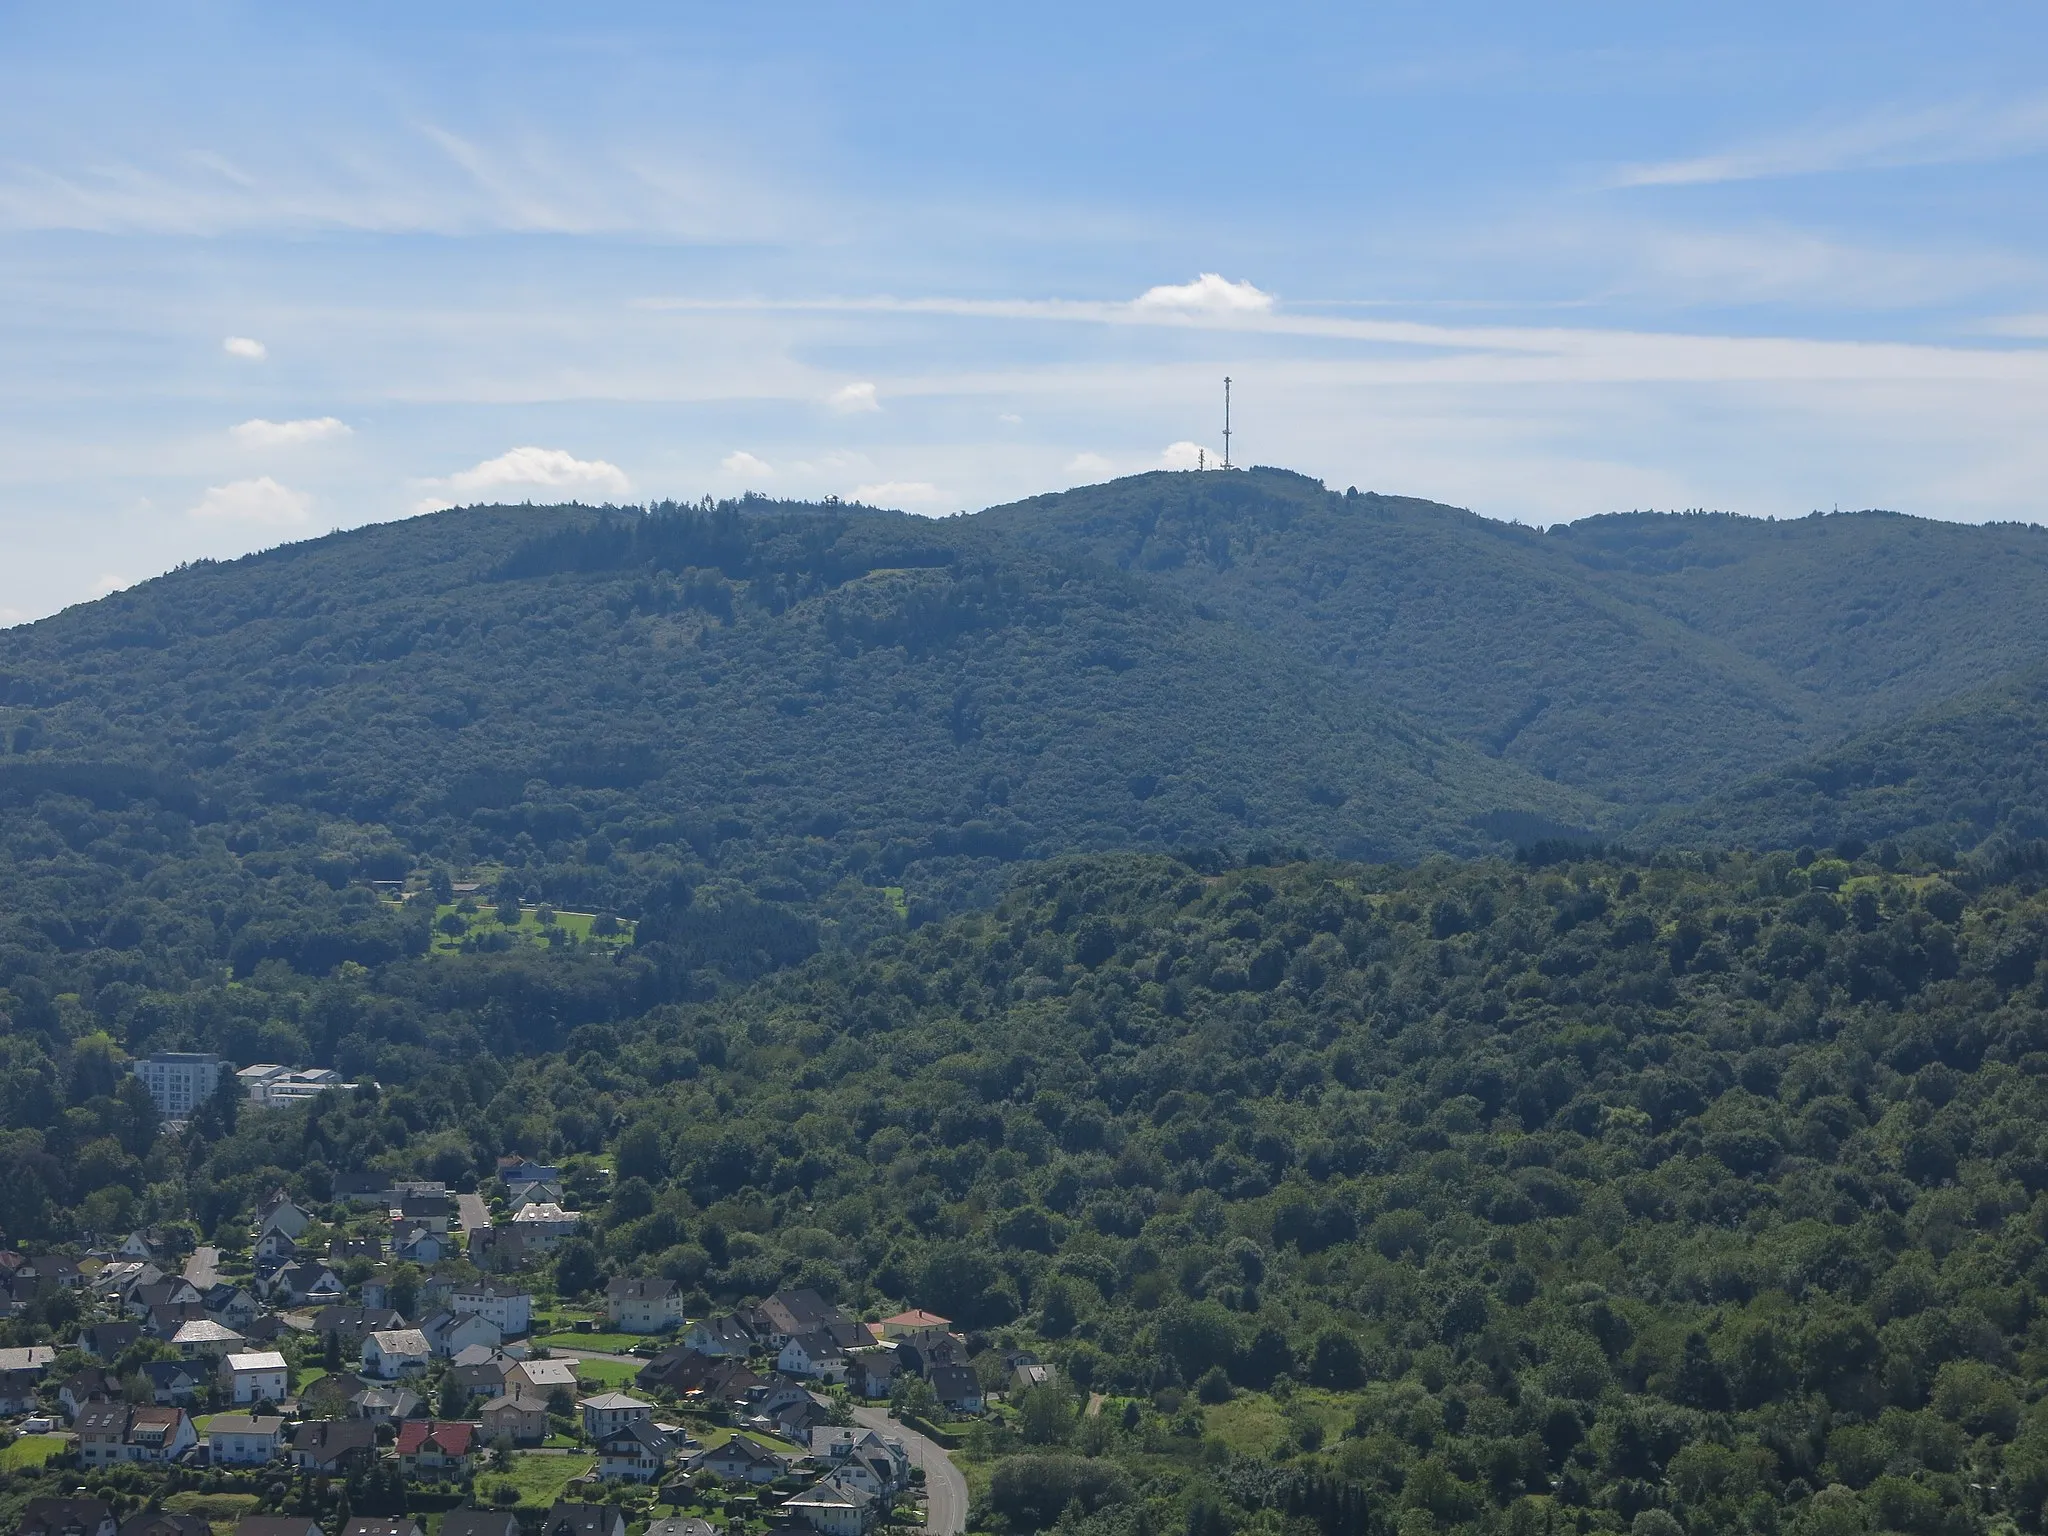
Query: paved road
{"type": "Point", "coordinates": [203, 1268]}
{"type": "Point", "coordinates": [475, 1214]}
{"type": "Point", "coordinates": [945, 1490]}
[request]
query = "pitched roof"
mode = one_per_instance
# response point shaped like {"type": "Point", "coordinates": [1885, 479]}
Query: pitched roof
{"type": "Point", "coordinates": [401, 1341]}
{"type": "Point", "coordinates": [479, 1522]}
{"type": "Point", "coordinates": [641, 1288]}
{"type": "Point", "coordinates": [277, 1525]}
{"type": "Point", "coordinates": [244, 1424]}
{"type": "Point", "coordinates": [450, 1438]}
{"type": "Point", "coordinates": [917, 1317]}
{"type": "Point", "coordinates": [613, 1401]}
{"type": "Point", "coordinates": [266, 1360]}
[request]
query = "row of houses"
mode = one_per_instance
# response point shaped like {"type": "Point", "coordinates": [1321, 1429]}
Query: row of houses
{"type": "Point", "coordinates": [95, 1517]}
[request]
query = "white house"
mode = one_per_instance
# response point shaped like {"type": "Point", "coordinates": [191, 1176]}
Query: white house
{"type": "Point", "coordinates": [633, 1453]}
{"type": "Point", "coordinates": [829, 1510]}
{"type": "Point", "coordinates": [506, 1307]}
{"type": "Point", "coordinates": [251, 1376]}
{"type": "Point", "coordinates": [244, 1440]}
{"type": "Point", "coordinates": [644, 1304]}
{"type": "Point", "coordinates": [813, 1355]}
{"type": "Point", "coordinates": [208, 1339]}
{"type": "Point", "coordinates": [285, 1216]}
{"type": "Point", "coordinates": [395, 1352]}
{"type": "Point", "coordinates": [719, 1336]}
{"type": "Point", "coordinates": [609, 1411]}
{"type": "Point", "coordinates": [450, 1333]}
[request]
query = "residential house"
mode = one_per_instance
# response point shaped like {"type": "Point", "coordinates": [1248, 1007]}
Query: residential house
{"type": "Point", "coordinates": [740, 1460]}
{"type": "Point", "coordinates": [680, 1525]}
{"type": "Point", "coordinates": [106, 1341]}
{"type": "Point", "coordinates": [384, 1525]}
{"type": "Point", "coordinates": [282, 1214]}
{"type": "Point", "coordinates": [837, 1443]}
{"type": "Point", "coordinates": [719, 1336]}
{"type": "Point", "coordinates": [169, 1291]}
{"type": "Point", "coordinates": [584, 1520]}
{"type": "Point", "coordinates": [71, 1517]}
{"type": "Point", "coordinates": [544, 1225]}
{"type": "Point", "coordinates": [164, 1322]}
{"type": "Point", "coordinates": [206, 1340]}
{"type": "Point", "coordinates": [916, 1325]}
{"type": "Point", "coordinates": [383, 1405]}
{"type": "Point", "coordinates": [372, 1189]}
{"type": "Point", "coordinates": [277, 1525]}
{"type": "Point", "coordinates": [310, 1283]}
{"type": "Point", "coordinates": [957, 1387]}
{"type": "Point", "coordinates": [829, 1510]}
{"type": "Point", "coordinates": [516, 1172]}
{"type": "Point", "coordinates": [276, 1246]}
{"type": "Point", "coordinates": [479, 1522]}
{"type": "Point", "coordinates": [1026, 1374]}
{"type": "Point", "coordinates": [333, 1445]}
{"type": "Point", "coordinates": [544, 1192]}
{"type": "Point", "coordinates": [644, 1304]}
{"type": "Point", "coordinates": [434, 1212]}
{"type": "Point", "coordinates": [481, 1370]}
{"type": "Point", "coordinates": [395, 1352]}
{"type": "Point", "coordinates": [418, 1245]}
{"type": "Point", "coordinates": [18, 1391]}
{"type": "Point", "coordinates": [546, 1376]}
{"type": "Point", "coordinates": [633, 1453]}
{"type": "Point", "coordinates": [232, 1305]}
{"type": "Point", "coordinates": [244, 1439]}
{"type": "Point", "coordinates": [608, 1411]}
{"type": "Point", "coordinates": [174, 1381]}
{"type": "Point", "coordinates": [521, 1417]}
{"type": "Point", "coordinates": [449, 1333]}
{"type": "Point", "coordinates": [111, 1433]}
{"type": "Point", "coordinates": [349, 1326]}
{"type": "Point", "coordinates": [91, 1385]}
{"type": "Point", "coordinates": [250, 1377]}
{"type": "Point", "coordinates": [816, 1356]}
{"type": "Point", "coordinates": [32, 1357]}
{"type": "Point", "coordinates": [157, 1522]}
{"type": "Point", "coordinates": [436, 1448]}
{"type": "Point", "coordinates": [872, 1372]}
{"type": "Point", "coordinates": [509, 1308]}
{"type": "Point", "coordinates": [787, 1314]}
{"type": "Point", "coordinates": [340, 1249]}
{"type": "Point", "coordinates": [52, 1271]}
{"type": "Point", "coordinates": [795, 1421]}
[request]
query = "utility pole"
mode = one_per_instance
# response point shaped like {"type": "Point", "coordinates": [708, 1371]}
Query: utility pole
{"type": "Point", "coordinates": [1226, 421]}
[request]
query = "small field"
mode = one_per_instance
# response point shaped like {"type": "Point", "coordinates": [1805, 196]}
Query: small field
{"type": "Point", "coordinates": [1253, 1424]}
{"type": "Point", "coordinates": [611, 1373]}
{"type": "Point", "coordinates": [540, 1479]}
{"type": "Point", "coordinates": [481, 929]}
{"type": "Point", "coordinates": [30, 1451]}
{"type": "Point", "coordinates": [607, 1343]}
{"type": "Point", "coordinates": [216, 1508]}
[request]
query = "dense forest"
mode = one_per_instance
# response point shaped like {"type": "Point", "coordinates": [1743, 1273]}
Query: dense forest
{"type": "Point", "coordinates": [1703, 1189]}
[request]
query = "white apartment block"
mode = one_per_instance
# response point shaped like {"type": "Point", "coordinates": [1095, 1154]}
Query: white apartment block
{"type": "Point", "coordinates": [179, 1081]}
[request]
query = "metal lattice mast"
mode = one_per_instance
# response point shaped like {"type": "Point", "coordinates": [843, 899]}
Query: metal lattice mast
{"type": "Point", "coordinates": [1226, 421]}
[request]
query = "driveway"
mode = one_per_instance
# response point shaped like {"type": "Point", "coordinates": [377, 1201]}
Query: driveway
{"type": "Point", "coordinates": [945, 1490]}
{"type": "Point", "coordinates": [203, 1269]}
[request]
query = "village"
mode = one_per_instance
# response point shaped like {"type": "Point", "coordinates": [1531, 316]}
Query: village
{"type": "Point", "coordinates": [380, 1364]}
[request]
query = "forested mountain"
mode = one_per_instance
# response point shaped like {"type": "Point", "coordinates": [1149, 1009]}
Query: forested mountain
{"type": "Point", "coordinates": [1649, 659]}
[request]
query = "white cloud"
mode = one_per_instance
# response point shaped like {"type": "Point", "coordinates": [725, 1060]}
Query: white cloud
{"type": "Point", "coordinates": [12, 616]}
{"type": "Point", "coordinates": [742, 462]}
{"type": "Point", "coordinates": [530, 469]}
{"type": "Point", "coordinates": [854, 399]}
{"type": "Point", "coordinates": [890, 493]}
{"type": "Point", "coordinates": [1011, 419]}
{"type": "Point", "coordinates": [110, 583]}
{"type": "Point", "coordinates": [1090, 466]}
{"type": "Point", "coordinates": [1186, 455]}
{"type": "Point", "coordinates": [259, 433]}
{"type": "Point", "coordinates": [262, 501]}
{"type": "Point", "coordinates": [1209, 294]}
{"type": "Point", "coordinates": [245, 347]}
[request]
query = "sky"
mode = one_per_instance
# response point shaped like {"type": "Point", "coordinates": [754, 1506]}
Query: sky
{"type": "Point", "coordinates": [271, 271]}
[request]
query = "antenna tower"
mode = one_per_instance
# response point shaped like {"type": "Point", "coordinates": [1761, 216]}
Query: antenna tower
{"type": "Point", "coordinates": [1226, 421]}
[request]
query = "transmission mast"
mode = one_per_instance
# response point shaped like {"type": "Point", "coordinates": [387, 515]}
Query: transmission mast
{"type": "Point", "coordinates": [1226, 421]}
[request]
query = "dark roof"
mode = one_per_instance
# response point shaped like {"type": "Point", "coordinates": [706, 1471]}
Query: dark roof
{"type": "Point", "coordinates": [380, 1526]}
{"type": "Point", "coordinates": [58, 1515]}
{"type": "Point", "coordinates": [277, 1525]}
{"type": "Point", "coordinates": [158, 1523]}
{"type": "Point", "coordinates": [582, 1520]}
{"type": "Point", "coordinates": [954, 1380]}
{"type": "Point", "coordinates": [334, 1437]}
{"type": "Point", "coordinates": [479, 1522]}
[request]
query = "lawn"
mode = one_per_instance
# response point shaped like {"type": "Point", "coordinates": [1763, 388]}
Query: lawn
{"type": "Point", "coordinates": [1253, 1424]}
{"type": "Point", "coordinates": [483, 923]}
{"type": "Point", "coordinates": [609, 1343]}
{"type": "Point", "coordinates": [214, 1507]}
{"type": "Point", "coordinates": [610, 1373]}
{"type": "Point", "coordinates": [30, 1451]}
{"type": "Point", "coordinates": [540, 1479]}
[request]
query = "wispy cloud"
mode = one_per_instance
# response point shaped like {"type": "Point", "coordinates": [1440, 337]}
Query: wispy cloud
{"type": "Point", "coordinates": [1939, 135]}
{"type": "Point", "coordinates": [900, 493]}
{"type": "Point", "coordinates": [1090, 467]}
{"type": "Point", "coordinates": [110, 583]}
{"type": "Point", "coordinates": [552, 470]}
{"type": "Point", "coordinates": [261, 502]}
{"type": "Point", "coordinates": [259, 433]}
{"type": "Point", "coordinates": [248, 348]}
{"type": "Point", "coordinates": [854, 399]}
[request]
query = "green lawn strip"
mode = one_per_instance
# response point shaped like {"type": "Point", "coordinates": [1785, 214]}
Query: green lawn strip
{"type": "Point", "coordinates": [607, 1343]}
{"type": "Point", "coordinates": [30, 1451]}
{"type": "Point", "coordinates": [212, 1506]}
{"type": "Point", "coordinates": [527, 930]}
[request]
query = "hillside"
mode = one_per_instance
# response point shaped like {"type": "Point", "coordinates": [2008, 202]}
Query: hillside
{"type": "Point", "coordinates": [1470, 1198]}
{"type": "Point", "coordinates": [1953, 776]}
{"type": "Point", "coordinates": [812, 708]}
{"type": "Point", "coordinates": [1648, 659]}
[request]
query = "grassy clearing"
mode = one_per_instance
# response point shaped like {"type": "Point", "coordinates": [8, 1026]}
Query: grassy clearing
{"type": "Point", "coordinates": [539, 1479]}
{"type": "Point", "coordinates": [30, 1451]}
{"type": "Point", "coordinates": [1253, 1424]}
{"type": "Point", "coordinates": [484, 926]}
{"type": "Point", "coordinates": [612, 1373]}
{"type": "Point", "coordinates": [214, 1507]}
{"type": "Point", "coordinates": [610, 1343]}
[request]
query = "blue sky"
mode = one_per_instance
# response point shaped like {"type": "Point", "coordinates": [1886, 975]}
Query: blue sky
{"type": "Point", "coordinates": [270, 271]}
